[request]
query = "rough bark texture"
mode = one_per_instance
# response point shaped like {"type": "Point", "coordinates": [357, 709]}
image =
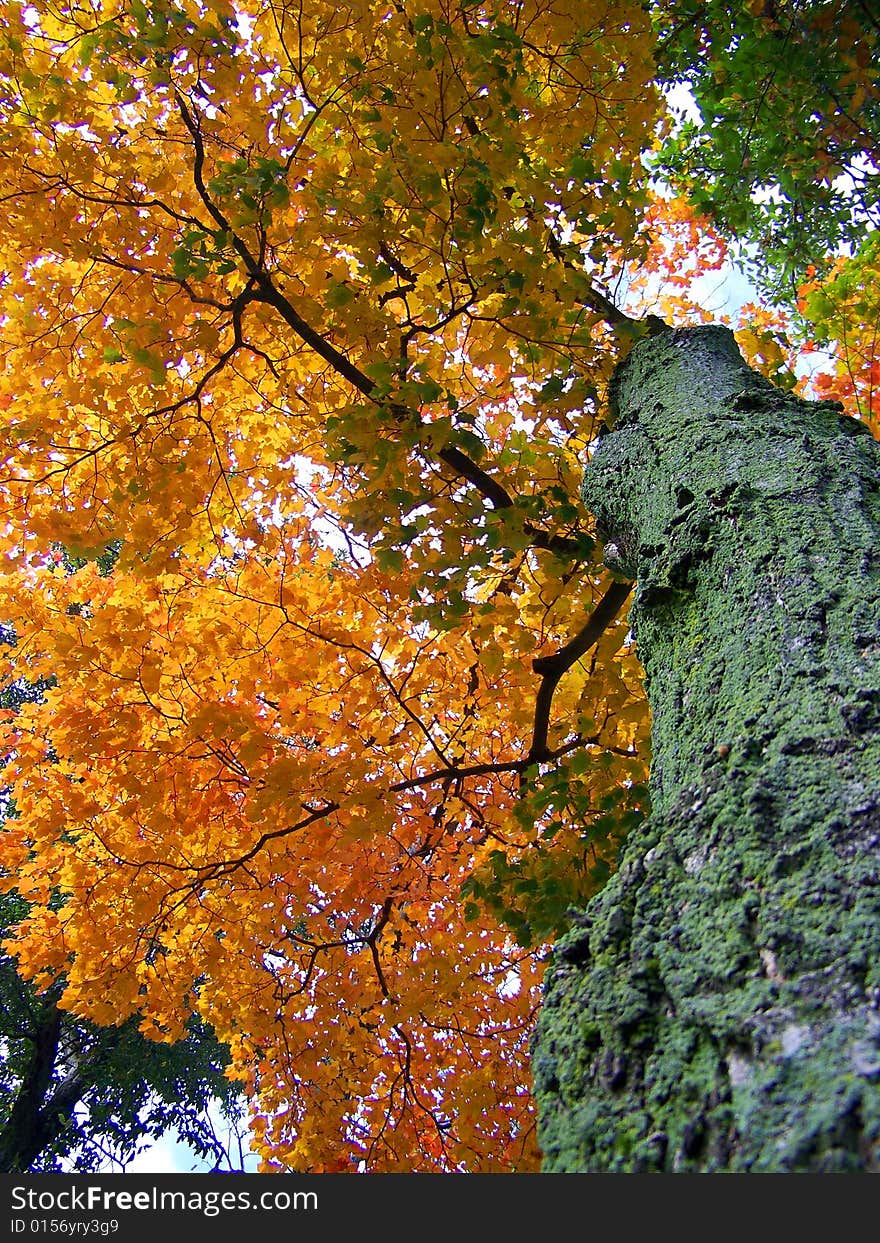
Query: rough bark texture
{"type": "Point", "coordinates": [716, 1006]}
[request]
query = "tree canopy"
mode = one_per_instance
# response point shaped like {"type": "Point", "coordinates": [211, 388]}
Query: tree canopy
{"type": "Point", "coordinates": [75, 1096]}
{"type": "Point", "coordinates": [310, 311]}
{"type": "Point", "coordinates": [784, 150]}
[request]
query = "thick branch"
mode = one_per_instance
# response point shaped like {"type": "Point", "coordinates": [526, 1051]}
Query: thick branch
{"type": "Point", "coordinates": [267, 292]}
{"type": "Point", "coordinates": [551, 668]}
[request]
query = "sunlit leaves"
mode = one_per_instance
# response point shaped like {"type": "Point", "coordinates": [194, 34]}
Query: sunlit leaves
{"type": "Point", "coordinates": [843, 311]}
{"type": "Point", "coordinates": [784, 152]}
{"type": "Point", "coordinates": [299, 315]}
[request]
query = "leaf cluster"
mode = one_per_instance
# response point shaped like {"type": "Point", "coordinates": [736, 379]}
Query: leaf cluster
{"type": "Point", "coordinates": [783, 153]}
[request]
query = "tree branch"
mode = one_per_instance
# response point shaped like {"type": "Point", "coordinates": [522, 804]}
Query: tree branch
{"type": "Point", "coordinates": [551, 668]}
{"type": "Point", "coordinates": [266, 291]}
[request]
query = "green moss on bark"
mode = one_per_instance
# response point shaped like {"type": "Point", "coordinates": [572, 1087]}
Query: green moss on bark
{"type": "Point", "coordinates": [716, 1006]}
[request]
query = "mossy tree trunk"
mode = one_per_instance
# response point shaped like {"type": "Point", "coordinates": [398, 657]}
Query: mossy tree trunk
{"type": "Point", "coordinates": [716, 1005]}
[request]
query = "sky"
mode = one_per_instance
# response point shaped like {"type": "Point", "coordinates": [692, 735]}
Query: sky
{"type": "Point", "coordinates": [169, 1156]}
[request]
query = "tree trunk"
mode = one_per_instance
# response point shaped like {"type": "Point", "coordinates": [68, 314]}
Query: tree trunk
{"type": "Point", "coordinates": [30, 1127]}
{"type": "Point", "coordinates": [716, 1005]}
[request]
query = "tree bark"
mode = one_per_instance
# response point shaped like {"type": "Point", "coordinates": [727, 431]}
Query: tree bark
{"type": "Point", "coordinates": [715, 1008]}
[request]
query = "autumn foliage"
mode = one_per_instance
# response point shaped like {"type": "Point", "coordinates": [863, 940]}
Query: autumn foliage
{"type": "Point", "coordinates": [308, 316]}
{"type": "Point", "coordinates": [298, 324]}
